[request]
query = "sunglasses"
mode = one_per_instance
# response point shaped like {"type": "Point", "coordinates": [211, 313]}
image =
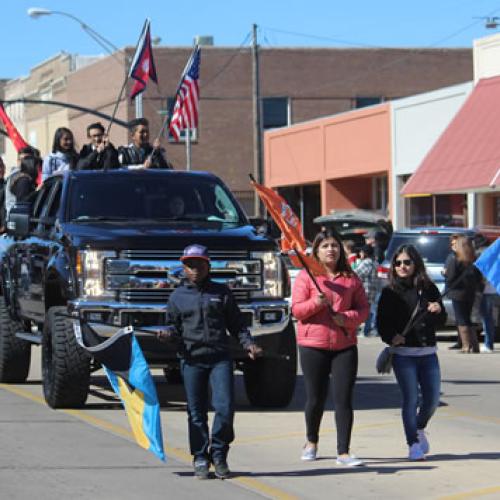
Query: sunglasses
{"type": "Point", "coordinates": [406, 262]}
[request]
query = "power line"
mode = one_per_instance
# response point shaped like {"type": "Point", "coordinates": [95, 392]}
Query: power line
{"type": "Point", "coordinates": [229, 61]}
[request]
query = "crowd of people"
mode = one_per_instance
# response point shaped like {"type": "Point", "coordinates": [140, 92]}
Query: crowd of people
{"type": "Point", "coordinates": [98, 154]}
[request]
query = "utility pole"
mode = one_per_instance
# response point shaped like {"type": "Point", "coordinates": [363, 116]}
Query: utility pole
{"type": "Point", "coordinates": [257, 136]}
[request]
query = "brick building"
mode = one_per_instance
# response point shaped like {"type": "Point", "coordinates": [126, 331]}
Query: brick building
{"type": "Point", "coordinates": [296, 84]}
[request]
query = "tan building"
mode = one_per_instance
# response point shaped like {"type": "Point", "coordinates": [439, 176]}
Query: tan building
{"type": "Point", "coordinates": [296, 84]}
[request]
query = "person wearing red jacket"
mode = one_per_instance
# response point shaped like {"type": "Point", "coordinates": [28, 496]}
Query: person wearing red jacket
{"type": "Point", "coordinates": [326, 334]}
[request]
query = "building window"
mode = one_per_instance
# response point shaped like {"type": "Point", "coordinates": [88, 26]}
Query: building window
{"type": "Point", "coordinates": [362, 102]}
{"type": "Point", "coordinates": [379, 193]}
{"type": "Point", "coordinates": [275, 112]}
{"type": "Point", "coordinates": [449, 210]}
{"type": "Point", "coordinates": [182, 138]}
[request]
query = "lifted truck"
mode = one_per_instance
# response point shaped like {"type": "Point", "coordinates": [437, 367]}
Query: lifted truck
{"type": "Point", "coordinates": [103, 247]}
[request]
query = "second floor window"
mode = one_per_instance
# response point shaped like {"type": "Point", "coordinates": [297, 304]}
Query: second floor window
{"type": "Point", "coordinates": [275, 112]}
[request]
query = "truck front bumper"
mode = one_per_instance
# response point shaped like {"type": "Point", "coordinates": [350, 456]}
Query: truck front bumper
{"type": "Point", "coordinates": [262, 318]}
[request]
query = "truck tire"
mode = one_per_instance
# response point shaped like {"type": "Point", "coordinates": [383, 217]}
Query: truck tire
{"type": "Point", "coordinates": [15, 354]}
{"type": "Point", "coordinates": [65, 365]}
{"type": "Point", "coordinates": [270, 381]}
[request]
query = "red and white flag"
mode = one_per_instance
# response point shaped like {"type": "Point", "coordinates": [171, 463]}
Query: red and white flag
{"type": "Point", "coordinates": [11, 129]}
{"type": "Point", "coordinates": [185, 113]}
{"type": "Point", "coordinates": [143, 67]}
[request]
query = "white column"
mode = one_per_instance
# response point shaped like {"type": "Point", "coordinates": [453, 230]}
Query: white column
{"type": "Point", "coordinates": [471, 210]}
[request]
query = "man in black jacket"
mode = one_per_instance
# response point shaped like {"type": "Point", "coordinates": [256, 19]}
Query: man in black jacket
{"type": "Point", "coordinates": [140, 152]}
{"type": "Point", "coordinates": [100, 154]}
{"type": "Point", "coordinates": [200, 313]}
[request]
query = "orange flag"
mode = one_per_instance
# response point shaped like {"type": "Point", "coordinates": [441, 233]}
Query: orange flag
{"type": "Point", "coordinates": [14, 134]}
{"type": "Point", "coordinates": [292, 239]}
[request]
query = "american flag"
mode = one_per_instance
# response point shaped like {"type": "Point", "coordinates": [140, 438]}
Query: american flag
{"type": "Point", "coordinates": [185, 114]}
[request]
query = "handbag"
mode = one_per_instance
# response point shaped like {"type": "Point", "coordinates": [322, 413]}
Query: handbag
{"type": "Point", "coordinates": [384, 360]}
{"type": "Point", "coordinates": [383, 364]}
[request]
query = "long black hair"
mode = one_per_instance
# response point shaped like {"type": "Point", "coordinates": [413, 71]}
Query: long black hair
{"type": "Point", "coordinates": [420, 278]}
{"type": "Point", "coordinates": [343, 266]}
{"type": "Point", "coordinates": [56, 145]}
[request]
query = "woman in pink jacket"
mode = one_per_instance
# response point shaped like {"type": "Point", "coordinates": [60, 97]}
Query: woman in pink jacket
{"type": "Point", "coordinates": [326, 334]}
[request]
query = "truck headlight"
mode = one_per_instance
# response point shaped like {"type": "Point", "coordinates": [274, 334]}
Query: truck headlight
{"type": "Point", "coordinates": [272, 275]}
{"type": "Point", "coordinates": [90, 265]}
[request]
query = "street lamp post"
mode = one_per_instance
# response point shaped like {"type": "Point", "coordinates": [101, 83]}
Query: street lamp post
{"type": "Point", "coordinates": [109, 47]}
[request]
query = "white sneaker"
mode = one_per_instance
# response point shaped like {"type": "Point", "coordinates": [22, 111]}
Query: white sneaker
{"type": "Point", "coordinates": [486, 350]}
{"type": "Point", "coordinates": [309, 453]}
{"type": "Point", "coordinates": [415, 452]}
{"type": "Point", "coordinates": [423, 441]}
{"type": "Point", "coordinates": [349, 461]}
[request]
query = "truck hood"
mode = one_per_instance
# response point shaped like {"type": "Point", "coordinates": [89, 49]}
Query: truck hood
{"type": "Point", "coordinates": [116, 236]}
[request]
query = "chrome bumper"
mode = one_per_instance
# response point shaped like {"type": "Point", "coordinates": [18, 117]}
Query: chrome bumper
{"type": "Point", "coordinates": [258, 311]}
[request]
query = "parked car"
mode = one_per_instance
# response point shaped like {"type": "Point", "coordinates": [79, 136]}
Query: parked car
{"type": "Point", "coordinates": [356, 225]}
{"type": "Point", "coordinates": [433, 244]}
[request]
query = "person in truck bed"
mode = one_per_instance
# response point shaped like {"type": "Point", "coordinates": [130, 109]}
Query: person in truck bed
{"type": "Point", "coordinates": [200, 313]}
{"type": "Point", "coordinates": [140, 152]}
{"type": "Point", "coordinates": [100, 154]}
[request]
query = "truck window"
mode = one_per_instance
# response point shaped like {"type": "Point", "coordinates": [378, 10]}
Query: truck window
{"type": "Point", "coordinates": [152, 197]}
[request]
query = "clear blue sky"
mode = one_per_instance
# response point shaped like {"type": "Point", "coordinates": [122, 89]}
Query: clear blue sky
{"type": "Point", "coordinates": [331, 23]}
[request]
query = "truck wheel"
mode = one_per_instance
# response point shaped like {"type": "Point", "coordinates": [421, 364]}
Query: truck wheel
{"type": "Point", "coordinates": [65, 365]}
{"type": "Point", "coordinates": [270, 382]}
{"type": "Point", "coordinates": [15, 354]}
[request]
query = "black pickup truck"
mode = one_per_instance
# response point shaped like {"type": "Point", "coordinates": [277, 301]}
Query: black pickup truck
{"type": "Point", "coordinates": [104, 247]}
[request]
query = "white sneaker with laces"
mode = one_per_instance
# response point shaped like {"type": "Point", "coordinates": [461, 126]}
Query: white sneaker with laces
{"type": "Point", "coordinates": [423, 441]}
{"type": "Point", "coordinates": [309, 453]}
{"type": "Point", "coordinates": [415, 452]}
{"type": "Point", "coordinates": [349, 461]}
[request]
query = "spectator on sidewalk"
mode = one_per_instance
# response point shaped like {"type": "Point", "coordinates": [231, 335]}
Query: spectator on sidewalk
{"type": "Point", "coordinates": [100, 154]}
{"type": "Point", "coordinates": [200, 313]}
{"type": "Point", "coordinates": [63, 156]}
{"type": "Point", "coordinates": [411, 292]}
{"type": "Point", "coordinates": [352, 256]}
{"type": "Point", "coordinates": [487, 303]}
{"type": "Point", "coordinates": [326, 334]}
{"type": "Point", "coordinates": [463, 280]}
{"type": "Point", "coordinates": [367, 272]}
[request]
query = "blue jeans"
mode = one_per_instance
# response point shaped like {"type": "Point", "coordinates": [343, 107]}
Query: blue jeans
{"type": "Point", "coordinates": [216, 372]}
{"type": "Point", "coordinates": [414, 373]}
{"type": "Point", "coordinates": [488, 321]}
{"type": "Point", "coordinates": [370, 321]}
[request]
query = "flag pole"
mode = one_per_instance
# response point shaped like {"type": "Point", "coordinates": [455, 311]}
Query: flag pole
{"type": "Point", "coordinates": [188, 148]}
{"type": "Point", "coordinates": [127, 76]}
{"type": "Point", "coordinates": [112, 119]}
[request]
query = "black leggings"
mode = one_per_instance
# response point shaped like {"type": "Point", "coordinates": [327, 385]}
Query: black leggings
{"type": "Point", "coordinates": [317, 364]}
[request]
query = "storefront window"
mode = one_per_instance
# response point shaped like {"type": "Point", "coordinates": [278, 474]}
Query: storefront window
{"type": "Point", "coordinates": [448, 210]}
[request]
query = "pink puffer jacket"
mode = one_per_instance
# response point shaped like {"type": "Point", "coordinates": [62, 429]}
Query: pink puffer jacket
{"type": "Point", "coordinates": [316, 327]}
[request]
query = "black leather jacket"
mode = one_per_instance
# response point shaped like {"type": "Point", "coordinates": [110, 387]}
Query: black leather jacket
{"type": "Point", "coordinates": [395, 308]}
{"type": "Point", "coordinates": [202, 316]}
{"type": "Point", "coordinates": [132, 155]}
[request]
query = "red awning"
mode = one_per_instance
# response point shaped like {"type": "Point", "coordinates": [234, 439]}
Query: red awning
{"type": "Point", "coordinates": [467, 155]}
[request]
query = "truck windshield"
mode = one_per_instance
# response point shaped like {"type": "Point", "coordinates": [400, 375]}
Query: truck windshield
{"type": "Point", "coordinates": [153, 198]}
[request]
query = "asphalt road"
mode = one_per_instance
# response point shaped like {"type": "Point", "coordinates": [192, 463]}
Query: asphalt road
{"type": "Point", "coordinates": [90, 453]}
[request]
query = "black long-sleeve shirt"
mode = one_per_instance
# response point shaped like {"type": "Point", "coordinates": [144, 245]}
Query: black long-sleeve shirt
{"type": "Point", "coordinates": [202, 316]}
{"type": "Point", "coordinates": [91, 159]}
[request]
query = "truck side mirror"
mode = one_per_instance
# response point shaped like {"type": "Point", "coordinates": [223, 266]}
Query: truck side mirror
{"type": "Point", "coordinates": [259, 223]}
{"type": "Point", "coordinates": [18, 221]}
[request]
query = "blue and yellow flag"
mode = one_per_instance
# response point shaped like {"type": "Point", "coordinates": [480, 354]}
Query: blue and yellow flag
{"type": "Point", "coordinates": [128, 372]}
{"type": "Point", "coordinates": [489, 264]}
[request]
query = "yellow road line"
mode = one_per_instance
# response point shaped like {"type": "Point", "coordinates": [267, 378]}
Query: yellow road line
{"type": "Point", "coordinates": [179, 454]}
{"type": "Point", "coordinates": [472, 494]}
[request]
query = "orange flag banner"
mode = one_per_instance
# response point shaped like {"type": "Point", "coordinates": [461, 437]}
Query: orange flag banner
{"type": "Point", "coordinates": [292, 240]}
{"type": "Point", "coordinates": [14, 134]}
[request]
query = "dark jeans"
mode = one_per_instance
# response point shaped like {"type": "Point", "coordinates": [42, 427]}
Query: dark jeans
{"type": "Point", "coordinates": [487, 301]}
{"type": "Point", "coordinates": [414, 373]}
{"type": "Point", "coordinates": [317, 364]}
{"type": "Point", "coordinates": [199, 373]}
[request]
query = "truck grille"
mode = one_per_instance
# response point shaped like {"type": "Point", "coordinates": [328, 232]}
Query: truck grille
{"type": "Point", "coordinates": [151, 275]}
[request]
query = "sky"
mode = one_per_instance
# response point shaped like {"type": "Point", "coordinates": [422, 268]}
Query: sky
{"type": "Point", "coordinates": [284, 23]}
